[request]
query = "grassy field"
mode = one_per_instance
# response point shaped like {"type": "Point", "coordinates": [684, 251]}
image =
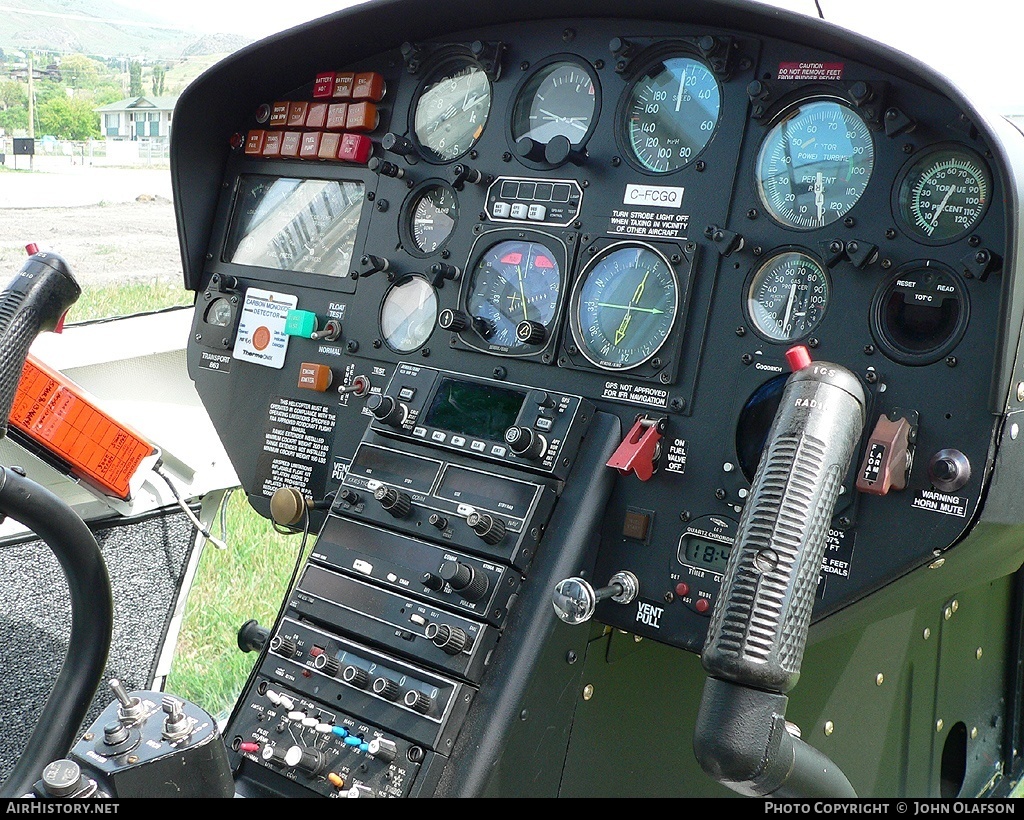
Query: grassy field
{"type": "Point", "coordinates": [247, 580]}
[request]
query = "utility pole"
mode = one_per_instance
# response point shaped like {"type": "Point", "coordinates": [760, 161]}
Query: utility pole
{"type": "Point", "coordinates": [31, 110]}
{"type": "Point", "coordinates": [31, 99]}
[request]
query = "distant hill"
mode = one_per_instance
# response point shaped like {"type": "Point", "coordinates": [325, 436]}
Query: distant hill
{"type": "Point", "coordinates": [102, 28]}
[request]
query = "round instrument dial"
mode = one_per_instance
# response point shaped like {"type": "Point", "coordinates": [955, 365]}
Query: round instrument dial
{"type": "Point", "coordinates": [920, 313]}
{"type": "Point", "coordinates": [559, 99]}
{"type": "Point", "coordinates": [624, 306]}
{"type": "Point", "coordinates": [514, 282]}
{"type": "Point", "coordinates": [670, 113]}
{"type": "Point", "coordinates": [814, 164]}
{"type": "Point", "coordinates": [787, 296]}
{"type": "Point", "coordinates": [408, 314]}
{"type": "Point", "coordinates": [451, 109]}
{"type": "Point", "coordinates": [431, 213]}
{"type": "Point", "coordinates": [944, 194]}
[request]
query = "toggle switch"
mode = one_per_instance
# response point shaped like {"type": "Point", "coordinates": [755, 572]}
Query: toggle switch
{"type": "Point", "coordinates": [889, 454]}
{"type": "Point", "coordinates": [640, 449]}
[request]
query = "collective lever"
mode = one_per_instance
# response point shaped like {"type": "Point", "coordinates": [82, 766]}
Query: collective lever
{"type": "Point", "coordinates": [759, 626]}
{"type": "Point", "coordinates": [575, 599]}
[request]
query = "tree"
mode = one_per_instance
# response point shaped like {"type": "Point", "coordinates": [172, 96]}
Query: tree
{"type": "Point", "coordinates": [81, 72]}
{"type": "Point", "coordinates": [68, 118]}
{"type": "Point", "coordinates": [159, 75]}
{"type": "Point", "coordinates": [134, 79]}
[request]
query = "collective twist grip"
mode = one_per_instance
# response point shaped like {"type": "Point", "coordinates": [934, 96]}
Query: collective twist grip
{"type": "Point", "coordinates": [38, 296]}
{"type": "Point", "coordinates": [759, 627]}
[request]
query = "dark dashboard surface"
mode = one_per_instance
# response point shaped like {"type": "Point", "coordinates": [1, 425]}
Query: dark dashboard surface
{"type": "Point", "coordinates": [642, 214]}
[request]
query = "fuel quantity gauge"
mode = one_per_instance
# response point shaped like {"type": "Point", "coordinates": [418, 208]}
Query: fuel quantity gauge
{"type": "Point", "coordinates": [944, 194]}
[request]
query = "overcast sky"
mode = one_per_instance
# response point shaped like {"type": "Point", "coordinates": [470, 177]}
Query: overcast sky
{"type": "Point", "coordinates": [973, 42]}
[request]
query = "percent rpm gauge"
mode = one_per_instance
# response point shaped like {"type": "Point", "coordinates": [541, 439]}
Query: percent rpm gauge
{"type": "Point", "coordinates": [944, 194]}
{"type": "Point", "coordinates": [787, 296]}
{"type": "Point", "coordinates": [670, 113]}
{"type": "Point", "coordinates": [814, 164]}
{"type": "Point", "coordinates": [624, 306]}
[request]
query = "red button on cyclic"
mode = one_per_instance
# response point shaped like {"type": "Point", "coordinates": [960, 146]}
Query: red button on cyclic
{"type": "Point", "coordinates": [702, 605]}
{"type": "Point", "coordinates": [682, 589]}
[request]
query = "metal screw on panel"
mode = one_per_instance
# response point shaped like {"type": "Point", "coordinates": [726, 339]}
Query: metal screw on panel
{"type": "Point", "coordinates": [746, 358]}
{"type": "Point", "coordinates": [927, 633]}
{"type": "Point", "coordinates": [570, 657]}
{"type": "Point", "coordinates": [1020, 391]}
{"type": "Point", "coordinates": [588, 692]}
{"type": "Point", "coordinates": [1014, 431]}
{"type": "Point", "coordinates": [830, 727]}
{"type": "Point", "coordinates": [869, 350]}
{"type": "Point", "coordinates": [879, 679]}
{"type": "Point", "coordinates": [700, 166]}
{"type": "Point", "coordinates": [978, 653]}
{"type": "Point", "coordinates": [974, 732]}
{"type": "Point", "coordinates": [951, 361]}
{"type": "Point", "coordinates": [938, 725]}
{"type": "Point", "coordinates": [947, 613]}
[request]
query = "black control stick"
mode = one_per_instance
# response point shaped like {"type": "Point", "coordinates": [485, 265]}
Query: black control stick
{"type": "Point", "coordinates": [34, 301]}
{"type": "Point", "coordinates": [759, 627]}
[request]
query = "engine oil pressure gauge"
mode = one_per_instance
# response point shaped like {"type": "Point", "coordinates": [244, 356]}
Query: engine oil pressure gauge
{"type": "Point", "coordinates": [943, 194]}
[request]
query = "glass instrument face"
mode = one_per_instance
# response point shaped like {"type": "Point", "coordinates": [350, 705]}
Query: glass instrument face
{"type": "Point", "coordinates": [787, 297]}
{"type": "Point", "coordinates": [514, 281]}
{"type": "Point", "coordinates": [671, 113]}
{"type": "Point", "coordinates": [300, 225]}
{"type": "Point", "coordinates": [558, 100]}
{"type": "Point", "coordinates": [624, 306]}
{"type": "Point", "coordinates": [451, 110]}
{"type": "Point", "coordinates": [431, 216]}
{"type": "Point", "coordinates": [944, 194]}
{"type": "Point", "coordinates": [814, 164]}
{"type": "Point", "coordinates": [408, 314]}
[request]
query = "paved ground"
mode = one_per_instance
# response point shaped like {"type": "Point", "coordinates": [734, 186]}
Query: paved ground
{"type": "Point", "coordinates": [111, 224]}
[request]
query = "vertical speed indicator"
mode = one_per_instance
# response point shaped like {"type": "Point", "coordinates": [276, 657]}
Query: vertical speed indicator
{"type": "Point", "coordinates": [814, 164]}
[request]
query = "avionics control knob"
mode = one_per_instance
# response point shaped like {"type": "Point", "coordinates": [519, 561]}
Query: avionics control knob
{"type": "Point", "coordinates": [327, 664]}
{"type": "Point", "coordinates": [451, 639]}
{"type": "Point", "coordinates": [273, 754]}
{"type": "Point", "coordinates": [464, 579]}
{"type": "Point", "coordinates": [454, 320]}
{"type": "Point", "coordinates": [386, 410]}
{"type": "Point", "coordinates": [309, 760]}
{"type": "Point", "coordinates": [530, 332]}
{"type": "Point", "coordinates": [525, 442]}
{"type": "Point", "coordinates": [489, 528]}
{"type": "Point", "coordinates": [417, 700]}
{"type": "Point", "coordinates": [355, 676]}
{"type": "Point", "coordinates": [396, 502]}
{"type": "Point", "coordinates": [386, 688]}
{"type": "Point", "coordinates": [382, 749]}
{"type": "Point", "coordinates": [285, 647]}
